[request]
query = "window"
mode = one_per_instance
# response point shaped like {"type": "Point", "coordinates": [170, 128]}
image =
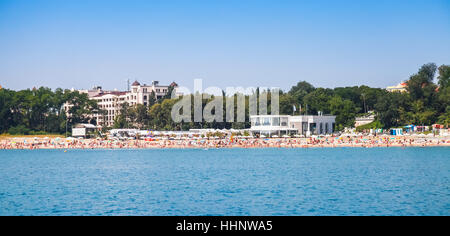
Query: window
{"type": "Point", "coordinates": [266, 121]}
{"type": "Point", "coordinates": [284, 121]}
{"type": "Point", "coordinates": [313, 128]}
{"type": "Point", "coordinates": [256, 121]}
{"type": "Point", "coordinates": [276, 121]}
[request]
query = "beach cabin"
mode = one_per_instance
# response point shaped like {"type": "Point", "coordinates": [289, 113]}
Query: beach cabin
{"type": "Point", "coordinates": [398, 131]}
{"type": "Point", "coordinates": [409, 128]}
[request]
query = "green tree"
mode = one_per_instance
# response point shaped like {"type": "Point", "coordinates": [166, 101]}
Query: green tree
{"type": "Point", "coordinates": [287, 101]}
{"type": "Point", "coordinates": [420, 85]}
{"type": "Point", "coordinates": [152, 99]}
{"type": "Point", "coordinates": [300, 90]}
{"type": "Point", "coordinates": [142, 117]}
{"type": "Point", "coordinates": [125, 117]}
{"type": "Point", "coordinates": [318, 100]}
{"type": "Point", "coordinates": [444, 76]}
{"type": "Point", "coordinates": [344, 110]}
{"type": "Point", "coordinates": [389, 108]}
{"type": "Point", "coordinates": [81, 108]}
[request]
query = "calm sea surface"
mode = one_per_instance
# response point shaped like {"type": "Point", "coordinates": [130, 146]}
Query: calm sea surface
{"type": "Point", "coordinates": [340, 181]}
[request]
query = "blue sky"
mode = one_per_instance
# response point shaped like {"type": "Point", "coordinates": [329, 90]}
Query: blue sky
{"type": "Point", "coordinates": [80, 43]}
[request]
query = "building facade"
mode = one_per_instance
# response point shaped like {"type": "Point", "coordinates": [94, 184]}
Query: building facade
{"type": "Point", "coordinates": [286, 124]}
{"type": "Point", "coordinates": [112, 101]}
{"type": "Point", "coordinates": [401, 87]}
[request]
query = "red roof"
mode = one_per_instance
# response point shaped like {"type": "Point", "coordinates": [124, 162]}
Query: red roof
{"type": "Point", "coordinates": [136, 83]}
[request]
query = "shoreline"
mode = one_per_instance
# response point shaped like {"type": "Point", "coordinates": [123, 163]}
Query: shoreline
{"type": "Point", "coordinates": [254, 143]}
{"type": "Point", "coordinates": [220, 148]}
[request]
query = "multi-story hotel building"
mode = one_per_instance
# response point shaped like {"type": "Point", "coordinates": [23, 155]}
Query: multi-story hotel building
{"type": "Point", "coordinates": [112, 101]}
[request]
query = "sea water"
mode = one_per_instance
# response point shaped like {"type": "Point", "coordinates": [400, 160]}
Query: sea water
{"type": "Point", "coordinates": [315, 181]}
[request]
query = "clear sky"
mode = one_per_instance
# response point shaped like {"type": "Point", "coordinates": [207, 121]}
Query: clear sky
{"type": "Point", "coordinates": [81, 43]}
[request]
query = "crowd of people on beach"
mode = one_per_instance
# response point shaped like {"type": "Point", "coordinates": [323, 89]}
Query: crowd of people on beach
{"type": "Point", "coordinates": [229, 142]}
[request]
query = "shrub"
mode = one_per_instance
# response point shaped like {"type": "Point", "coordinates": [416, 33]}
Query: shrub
{"type": "Point", "coordinates": [38, 133]}
{"type": "Point", "coordinates": [374, 125]}
{"type": "Point", "coordinates": [20, 129]}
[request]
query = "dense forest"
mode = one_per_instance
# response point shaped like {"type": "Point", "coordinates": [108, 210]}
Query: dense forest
{"type": "Point", "coordinates": [425, 103]}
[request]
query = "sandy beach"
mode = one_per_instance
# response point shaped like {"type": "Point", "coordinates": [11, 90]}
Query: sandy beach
{"type": "Point", "coordinates": [205, 143]}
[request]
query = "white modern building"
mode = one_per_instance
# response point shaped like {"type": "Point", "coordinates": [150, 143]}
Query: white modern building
{"type": "Point", "coordinates": [111, 101]}
{"type": "Point", "coordinates": [286, 125]}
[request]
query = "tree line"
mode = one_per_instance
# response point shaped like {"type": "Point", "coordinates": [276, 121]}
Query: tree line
{"type": "Point", "coordinates": [41, 110]}
{"type": "Point", "coordinates": [424, 103]}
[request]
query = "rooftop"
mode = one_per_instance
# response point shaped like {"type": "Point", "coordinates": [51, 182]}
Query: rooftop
{"type": "Point", "coordinates": [117, 93]}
